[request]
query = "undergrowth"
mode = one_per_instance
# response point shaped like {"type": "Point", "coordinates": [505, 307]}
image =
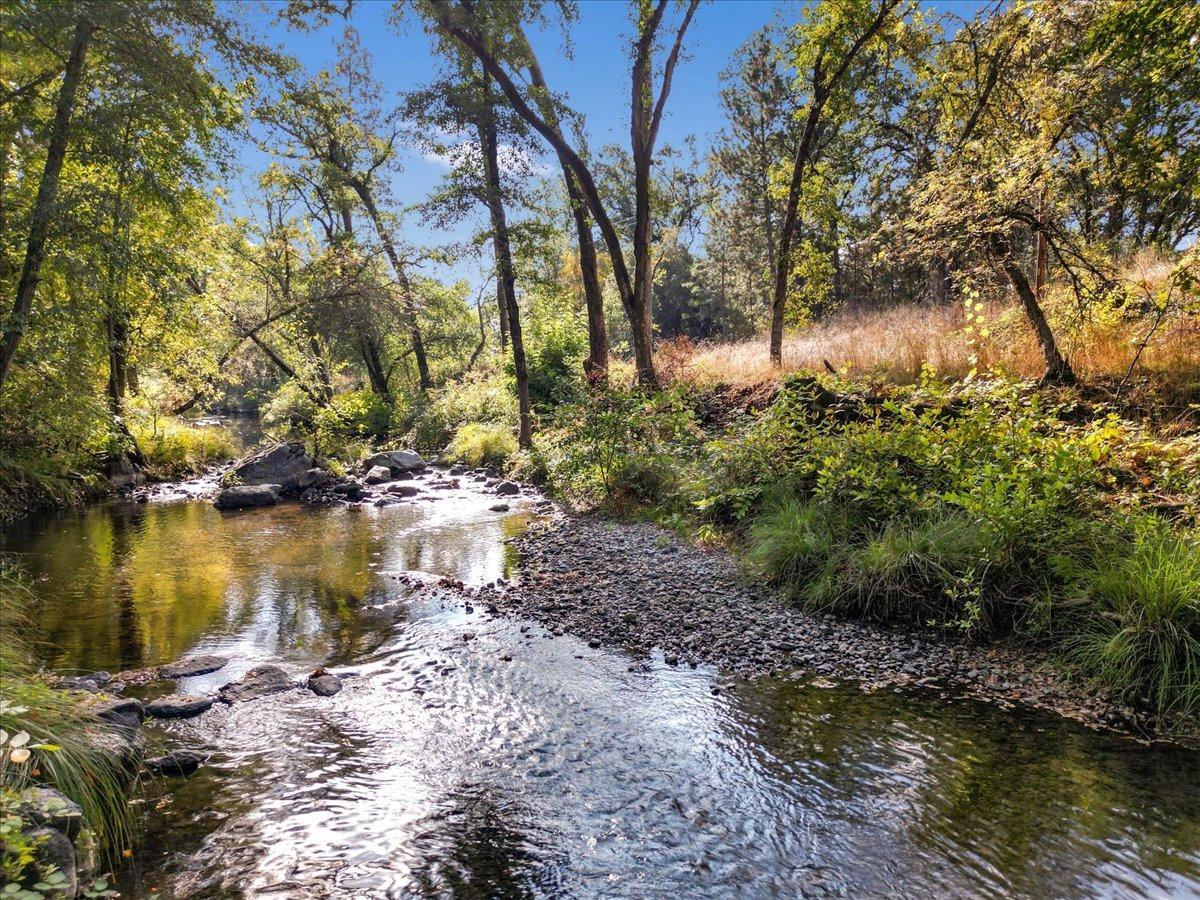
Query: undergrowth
{"type": "Point", "coordinates": [985, 507]}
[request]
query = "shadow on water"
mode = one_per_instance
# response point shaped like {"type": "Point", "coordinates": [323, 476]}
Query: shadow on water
{"type": "Point", "coordinates": [471, 756]}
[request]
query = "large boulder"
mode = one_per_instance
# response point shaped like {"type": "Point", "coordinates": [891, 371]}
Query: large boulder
{"type": "Point", "coordinates": [395, 461]}
{"type": "Point", "coordinates": [247, 496]}
{"type": "Point", "coordinates": [53, 850]}
{"type": "Point", "coordinates": [273, 465]}
{"type": "Point", "coordinates": [46, 806]}
{"type": "Point", "coordinates": [126, 712]}
{"type": "Point", "coordinates": [257, 683]}
{"type": "Point", "coordinates": [310, 478]}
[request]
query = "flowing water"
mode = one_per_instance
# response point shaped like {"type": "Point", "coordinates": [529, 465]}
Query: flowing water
{"type": "Point", "coordinates": [443, 769]}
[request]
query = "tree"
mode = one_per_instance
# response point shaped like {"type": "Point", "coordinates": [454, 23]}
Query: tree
{"type": "Point", "coordinates": [829, 42]}
{"type": "Point", "coordinates": [339, 131]}
{"type": "Point", "coordinates": [159, 46]}
{"type": "Point", "coordinates": [491, 39]}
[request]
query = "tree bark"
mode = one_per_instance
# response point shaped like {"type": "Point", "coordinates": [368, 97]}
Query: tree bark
{"type": "Point", "coordinates": [505, 274]}
{"type": "Point", "coordinates": [1058, 370]}
{"type": "Point", "coordinates": [376, 374]}
{"type": "Point", "coordinates": [595, 367]}
{"type": "Point", "coordinates": [47, 195]}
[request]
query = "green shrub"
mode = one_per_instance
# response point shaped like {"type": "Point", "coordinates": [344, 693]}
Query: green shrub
{"type": "Point", "coordinates": [621, 448]}
{"type": "Point", "coordinates": [174, 449]}
{"type": "Point", "coordinates": [478, 444]}
{"type": "Point", "coordinates": [556, 343]}
{"type": "Point", "coordinates": [1135, 622]}
{"type": "Point", "coordinates": [477, 397]}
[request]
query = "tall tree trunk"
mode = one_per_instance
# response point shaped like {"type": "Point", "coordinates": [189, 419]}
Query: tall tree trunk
{"type": "Point", "coordinates": [317, 348]}
{"type": "Point", "coordinates": [47, 195]}
{"type": "Point", "coordinates": [642, 143]}
{"type": "Point", "coordinates": [505, 274]}
{"type": "Point", "coordinates": [410, 304]}
{"type": "Point", "coordinates": [374, 365]}
{"type": "Point", "coordinates": [939, 281]}
{"type": "Point", "coordinates": [783, 259]}
{"type": "Point", "coordinates": [822, 87]}
{"type": "Point", "coordinates": [1058, 370]}
{"type": "Point", "coordinates": [596, 365]}
{"type": "Point", "coordinates": [116, 328]}
{"type": "Point", "coordinates": [502, 306]}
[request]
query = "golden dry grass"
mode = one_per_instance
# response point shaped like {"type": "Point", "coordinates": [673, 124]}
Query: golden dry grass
{"type": "Point", "coordinates": [895, 343]}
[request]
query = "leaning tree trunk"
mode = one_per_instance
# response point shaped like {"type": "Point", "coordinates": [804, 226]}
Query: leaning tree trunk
{"type": "Point", "coordinates": [410, 306]}
{"type": "Point", "coordinates": [505, 274]}
{"type": "Point", "coordinates": [596, 365]}
{"type": "Point", "coordinates": [43, 206]}
{"type": "Point", "coordinates": [1058, 370]}
{"type": "Point", "coordinates": [375, 371]}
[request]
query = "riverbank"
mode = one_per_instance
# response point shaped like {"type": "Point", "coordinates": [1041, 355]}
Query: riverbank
{"type": "Point", "coordinates": [647, 590]}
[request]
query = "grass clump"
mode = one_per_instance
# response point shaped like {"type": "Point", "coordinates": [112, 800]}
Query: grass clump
{"type": "Point", "coordinates": [175, 449]}
{"type": "Point", "coordinates": [1135, 619]}
{"type": "Point", "coordinates": [481, 444]}
{"type": "Point", "coordinates": [49, 738]}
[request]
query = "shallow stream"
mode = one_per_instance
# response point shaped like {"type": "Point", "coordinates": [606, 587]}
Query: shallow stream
{"type": "Point", "coordinates": [443, 769]}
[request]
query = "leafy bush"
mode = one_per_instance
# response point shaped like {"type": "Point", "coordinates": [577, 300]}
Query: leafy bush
{"type": "Point", "coordinates": [478, 444]}
{"type": "Point", "coordinates": [174, 449]}
{"type": "Point", "coordinates": [556, 343]}
{"type": "Point", "coordinates": [477, 397]}
{"type": "Point", "coordinates": [619, 449]}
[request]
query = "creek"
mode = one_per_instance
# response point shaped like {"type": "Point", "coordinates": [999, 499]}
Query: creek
{"type": "Point", "coordinates": [472, 755]}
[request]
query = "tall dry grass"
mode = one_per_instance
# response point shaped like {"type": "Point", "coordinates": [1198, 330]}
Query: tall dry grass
{"type": "Point", "coordinates": [896, 343]}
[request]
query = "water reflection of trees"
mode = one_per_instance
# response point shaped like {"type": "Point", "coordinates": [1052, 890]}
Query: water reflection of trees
{"type": "Point", "coordinates": [132, 585]}
{"type": "Point", "coordinates": [1027, 802]}
{"type": "Point", "coordinates": [479, 845]}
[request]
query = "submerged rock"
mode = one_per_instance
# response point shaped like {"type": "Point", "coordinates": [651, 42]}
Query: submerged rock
{"type": "Point", "coordinates": [395, 461]}
{"type": "Point", "coordinates": [403, 490]}
{"type": "Point", "coordinates": [46, 806]}
{"type": "Point", "coordinates": [324, 684]}
{"type": "Point", "coordinates": [195, 665]}
{"type": "Point", "coordinates": [499, 507]}
{"type": "Point", "coordinates": [258, 682]}
{"type": "Point", "coordinates": [177, 762]}
{"type": "Point", "coordinates": [273, 465]}
{"type": "Point", "coordinates": [247, 496]}
{"type": "Point", "coordinates": [178, 706]}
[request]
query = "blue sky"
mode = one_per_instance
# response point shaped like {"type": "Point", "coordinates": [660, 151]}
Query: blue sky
{"type": "Point", "coordinates": [595, 79]}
